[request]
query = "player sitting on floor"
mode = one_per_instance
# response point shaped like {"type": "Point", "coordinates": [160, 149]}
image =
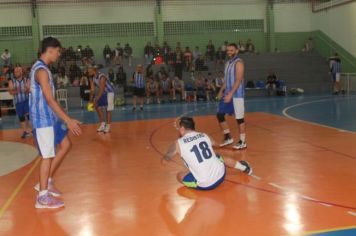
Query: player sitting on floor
{"type": "Point", "coordinates": [206, 170]}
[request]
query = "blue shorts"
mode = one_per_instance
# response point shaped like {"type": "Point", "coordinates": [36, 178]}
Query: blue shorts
{"type": "Point", "coordinates": [226, 108]}
{"type": "Point", "coordinates": [48, 138]}
{"type": "Point", "coordinates": [22, 109]}
{"type": "Point", "coordinates": [103, 100]}
{"type": "Point", "coordinates": [190, 181]}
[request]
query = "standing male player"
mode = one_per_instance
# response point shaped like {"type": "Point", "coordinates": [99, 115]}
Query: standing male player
{"type": "Point", "coordinates": [50, 124]}
{"type": "Point", "coordinates": [19, 88]}
{"type": "Point", "coordinates": [104, 100]}
{"type": "Point", "coordinates": [206, 169]}
{"type": "Point", "coordinates": [232, 97]}
{"type": "Point", "coordinates": [139, 84]}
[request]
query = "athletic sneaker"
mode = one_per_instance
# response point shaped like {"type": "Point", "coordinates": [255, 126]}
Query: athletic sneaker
{"type": "Point", "coordinates": [240, 145]}
{"type": "Point", "coordinates": [101, 127]}
{"type": "Point", "coordinates": [48, 201]}
{"type": "Point", "coordinates": [51, 189]}
{"type": "Point", "coordinates": [25, 135]}
{"type": "Point", "coordinates": [107, 129]}
{"type": "Point", "coordinates": [248, 169]}
{"type": "Point", "coordinates": [227, 142]}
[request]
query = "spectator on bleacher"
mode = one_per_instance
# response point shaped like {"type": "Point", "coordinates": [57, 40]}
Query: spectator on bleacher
{"type": "Point", "coordinates": [308, 46]}
{"type": "Point", "coordinates": [152, 89]}
{"type": "Point", "coordinates": [139, 86]}
{"type": "Point", "coordinates": [250, 47]}
{"type": "Point", "coordinates": [121, 78]}
{"type": "Point", "coordinates": [149, 71]}
{"type": "Point", "coordinates": [178, 45]}
{"type": "Point", "coordinates": [74, 74]}
{"type": "Point", "coordinates": [165, 88]}
{"type": "Point", "coordinates": [111, 75]}
{"type": "Point", "coordinates": [107, 53]}
{"type": "Point", "coordinates": [219, 81]}
{"type": "Point", "coordinates": [88, 52]}
{"type": "Point", "coordinates": [6, 57]}
{"type": "Point", "coordinates": [210, 87]}
{"type": "Point", "coordinates": [335, 69]}
{"type": "Point", "coordinates": [170, 59]}
{"type": "Point", "coordinates": [165, 51]}
{"type": "Point", "coordinates": [200, 86]}
{"type": "Point", "coordinates": [128, 52]}
{"type": "Point", "coordinates": [210, 51]}
{"type": "Point", "coordinates": [162, 73]}
{"type": "Point", "coordinates": [62, 79]}
{"type": "Point", "coordinates": [220, 57]}
{"type": "Point", "coordinates": [188, 58]}
{"type": "Point", "coordinates": [241, 47]}
{"type": "Point", "coordinates": [196, 54]}
{"type": "Point", "coordinates": [148, 52]}
{"type": "Point", "coordinates": [157, 50]}
{"type": "Point", "coordinates": [200, 64]}
{"type": "Point", "coordinates": [84, 87]}
{"type": "Point", "coordinates": [223, 49]}
{"type": "Point", "coordinates": [178, 62]}
{"type": "Point", "coordinates": [178, 88]}
{"type": "Point", "coordinates": [271, 82]}
{"type": "Point", "coordinates": [119, 52]}
{"type": "Point", "coordinates": [78, 53]}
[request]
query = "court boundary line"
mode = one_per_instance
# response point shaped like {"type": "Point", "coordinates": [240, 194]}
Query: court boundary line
{"type": "Point", "coordinates": [18, 188]}
{"type": "Point", "coordinates": [326, 230]}
{"type": "Point", "coordinates": [286, 109]}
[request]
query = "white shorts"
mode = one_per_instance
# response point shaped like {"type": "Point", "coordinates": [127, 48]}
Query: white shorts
{"type": "Point", "coordinates": [110, 97]}
{"type": "Point", "coordinates": [337, 77]}
{"type": "Point", "coordinates": [239, 107]}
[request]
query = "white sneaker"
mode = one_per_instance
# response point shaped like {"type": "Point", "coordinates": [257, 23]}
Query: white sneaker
{"type": "Point", "coordinates": [51, 189]}
{"type": "Point", "coordinates": [101, 127]}
{"type": "Point", "coordinates": [107, 129]}
{"type": "Point", "coordinates": [240, 145]}
{"type": "Point", "coordinates": [227, 142]}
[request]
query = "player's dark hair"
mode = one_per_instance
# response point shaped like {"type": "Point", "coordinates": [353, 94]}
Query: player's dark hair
{"type": "Point", "coordinates": [187, 123]}
{"type": "Point", "coordinates": [232, 45]}
{"type": "Point", "coordinates": [49, 42]}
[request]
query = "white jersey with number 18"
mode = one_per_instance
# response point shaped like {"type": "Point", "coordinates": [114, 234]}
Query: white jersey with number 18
{"type": "Point", "coordinates": [198, 154]}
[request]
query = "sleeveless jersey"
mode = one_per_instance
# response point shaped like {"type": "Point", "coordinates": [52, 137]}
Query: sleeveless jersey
{"type": "Point", "coordinates": [139, 80]}
{"type": "Point", "coordinates": [108, 86]}
{"type": "Point", "coordinates": [198, 154]}
{"type": "Point", "coordinates": [230, 77]}
{"type": "Point", "coordinates": [41, 114]}
{"type": "Point", "coordinates": [20, 88]}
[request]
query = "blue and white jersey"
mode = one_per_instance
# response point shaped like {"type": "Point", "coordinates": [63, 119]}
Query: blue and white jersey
{"type": "Point", "coordinates": [20, 86]}
{"type": "Point", "coordinates": [165, 84]}
{"type": "Point", "coordinates": [41, 114]}
{"type": "Point", "coordinates": [336, 66]}
{"type": "Point", "coordinates": [139, 80]}
{"type": "Point", "coordinates": [230, 77]}
{"type": "Point", "coordinates": [109, 88]}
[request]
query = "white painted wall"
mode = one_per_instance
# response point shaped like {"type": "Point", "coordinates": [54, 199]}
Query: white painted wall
{"type": "Point", "coordinates": [339, 23]}
{"type": "Point", "coordinates": [91, 13]}
{"type": "Point", "coordinates": [293, 17]}
{"type": "Point", "coordinates": [11, 15]}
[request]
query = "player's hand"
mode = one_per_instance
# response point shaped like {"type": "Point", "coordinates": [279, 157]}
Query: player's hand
{"type": "Point", "coordinates": [228, 98]}
{"type": "Point", "coordinates": [74, 126]}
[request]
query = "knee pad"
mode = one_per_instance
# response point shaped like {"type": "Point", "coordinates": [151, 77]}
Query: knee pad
{"type": "Point", "coordinates": [221, 117]}
{"type": "Point", "coordinates": [22, 118]}
{"type": "Point", "coordinates": [240, 121]}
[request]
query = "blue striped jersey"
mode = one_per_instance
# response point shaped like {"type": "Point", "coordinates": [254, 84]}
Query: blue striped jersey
{"type": "Point", "coordinates": [139, 80]}
{"type": "Point", "coordinates": [20, 87]}
{"type": "Point", "coordinates": [165, 84]}
{"type": "Point", "coordinates": [230, 77]}
{"type": "Point", "coordinates": [109, 88]}
{"type": "Point", "coordinates": [336, 66]}
{"type": "Point", "coordinates": [41, 114]}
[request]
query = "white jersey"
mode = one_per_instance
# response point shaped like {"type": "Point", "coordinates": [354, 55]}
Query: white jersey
{"type": "Point", "coordinates": [198, 154]}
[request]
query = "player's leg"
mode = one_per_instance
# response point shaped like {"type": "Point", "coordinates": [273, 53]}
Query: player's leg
{"type": "Point", "coordinates": [21, 115]}
{"type": "Point", "coordinates": [243, 166]}
{"type": "Point", "coordinates": [225, 108]}
{"type": "Point", "coordinates": [142, 95]}
{"type": "Point", "coordinates": [134, 101]}
{"type": "Point", "coordinates": [187, 179]}
{"type": "Point", "coordinates": [45, 139]}
{"type": "Point", "coordinates": [239, 107]}
{"type": "Point", "coordinates": [157, 95]}
{"type": "Point", "coordinates": [109, 109]}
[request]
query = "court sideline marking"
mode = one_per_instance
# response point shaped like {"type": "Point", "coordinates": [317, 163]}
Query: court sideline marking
{"type": "Point", "coordinates": [18, 188]}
